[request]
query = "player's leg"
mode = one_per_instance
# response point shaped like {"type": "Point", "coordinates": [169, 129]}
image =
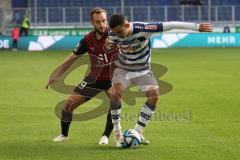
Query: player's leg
{"type": "Point", "coordinates": [148, 84]}
{"type": "Point", "coordinates": [115, 92]}
{"type": "Point", "coordinates": [105, 85]}
{"type": "Point", "coordinates": [81, 94]}
{"type": "Point", "coordinates": [107, 131]}
{"type": "Point", "coordinates": [109, 126]}
{"type": "Point", "coordinates": [91, 87]}
{"type": "Point", "coordinates": [72, 103]}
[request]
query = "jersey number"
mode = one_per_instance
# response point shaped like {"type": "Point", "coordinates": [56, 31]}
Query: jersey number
{"type": "Point", "coordinates": [82, 85]}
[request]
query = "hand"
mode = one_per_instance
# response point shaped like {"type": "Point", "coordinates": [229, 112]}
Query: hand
{"type": "Point", "coordinates": [205, 27]}
{"type": "Point", "coordinates": [51, 81]}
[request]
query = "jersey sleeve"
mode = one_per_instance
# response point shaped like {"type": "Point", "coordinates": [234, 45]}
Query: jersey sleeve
{"type": "Point", "coordinates": [180, 25]}
{"type": "Point", "coordinates": [148, 27]}
{"type": "Point", "coordinates": [81, 48]}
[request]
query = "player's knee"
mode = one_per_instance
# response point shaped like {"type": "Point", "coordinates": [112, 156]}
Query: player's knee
{"type": "Point", "coordinates": [153, 96]}
{"type": "Point", "coordinates": [72, 103]}
{"type": "Point", "coordinates": [110, 92]}
{"type": "Point", "coordinates": [68, 106]}
{"type": "Point", "coordinates": [67, 111]}
{"type": "Point", "coordinates": [113, 93]}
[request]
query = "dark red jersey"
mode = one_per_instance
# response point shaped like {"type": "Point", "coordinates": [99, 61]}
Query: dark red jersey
{"type": "Point", "coordinates": [101, 54]}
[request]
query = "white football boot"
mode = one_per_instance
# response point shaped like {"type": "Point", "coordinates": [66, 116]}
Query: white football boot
{"type": "Point", "coordinates": [103, 140]}
{"type": "Point", "coordinates": [60, 138]}
{"type": "Point", "coordinates": [143, 140]}
{"type": "Point", "coordinates": [118, 139]}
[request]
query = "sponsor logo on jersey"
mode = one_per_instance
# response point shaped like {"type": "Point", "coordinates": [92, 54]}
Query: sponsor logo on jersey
{"type": "Point", "coordinates": [138, 27]}
{"type": "Point", "coordinates": [151, 27]}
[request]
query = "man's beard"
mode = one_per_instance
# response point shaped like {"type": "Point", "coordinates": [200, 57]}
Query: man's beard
{"type": "Point", "coordinates": [99, 32]}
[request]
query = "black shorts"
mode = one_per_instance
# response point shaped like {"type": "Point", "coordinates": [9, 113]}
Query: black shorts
{"type": "Point", "coordinates": [90, 87]}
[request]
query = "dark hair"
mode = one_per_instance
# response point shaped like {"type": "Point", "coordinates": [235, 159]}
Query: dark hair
{"type": "Point", "coordinates": [97, 10]}
{"type": "Point", "coordinates": [116, 20]}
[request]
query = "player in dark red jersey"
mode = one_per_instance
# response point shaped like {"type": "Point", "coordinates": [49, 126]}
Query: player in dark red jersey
{"type": "Point", "coordinates": [99, 79]}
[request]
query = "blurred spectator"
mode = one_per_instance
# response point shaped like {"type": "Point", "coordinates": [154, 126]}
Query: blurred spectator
{"type": "Point", "coordinates": [25, 25]}
{"type": "Point", "coordinates": [226, 29]}
{"type": "Point", "coordinates": [15, 37]}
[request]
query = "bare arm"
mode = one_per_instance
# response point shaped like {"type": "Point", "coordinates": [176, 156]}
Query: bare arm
{"type": "Point", "coordinates": [202, 27]}
{"type": "Point", "coordinates": [68, 61]}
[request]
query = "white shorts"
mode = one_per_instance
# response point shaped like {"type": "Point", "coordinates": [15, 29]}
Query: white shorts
{"type": "Point", "coordinates": [143, 79]}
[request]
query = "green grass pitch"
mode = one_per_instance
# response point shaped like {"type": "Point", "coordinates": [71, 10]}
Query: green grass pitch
{"type": "Point", "coordinates": [205, 99]}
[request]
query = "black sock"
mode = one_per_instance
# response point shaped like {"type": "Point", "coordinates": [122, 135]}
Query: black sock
{"type": "Point", "coordinates": [108, 126]}
{"type": "Point", "coordinates": [65, 128]}
{"type": "Point", "coordinates": [65, 122]}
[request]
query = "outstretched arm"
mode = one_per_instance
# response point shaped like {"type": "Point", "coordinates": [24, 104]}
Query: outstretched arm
{"type": "Point", "coordinates": [79, 50]}
{"type": "Point", "coordinates": [68, 61]}
{"type": "Point", "coordinates": [202, 27]}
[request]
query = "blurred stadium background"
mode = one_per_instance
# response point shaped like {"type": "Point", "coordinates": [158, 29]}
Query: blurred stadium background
{"type": "Point", "coordinates": [71, 18]}
{"type": "Point", "coordinates": [200, 115]}
{"type": "Point", "coordinates": [75, 13]}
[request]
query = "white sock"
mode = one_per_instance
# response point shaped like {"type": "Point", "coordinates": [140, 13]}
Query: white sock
{"type": "Point", "coordinates": [144, 117]}
{"type": "Point", "coordinates": [116, 120]}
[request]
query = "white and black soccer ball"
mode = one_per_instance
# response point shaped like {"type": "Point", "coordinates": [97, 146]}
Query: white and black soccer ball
{"type": "Point", "coordinates": [131, 138]}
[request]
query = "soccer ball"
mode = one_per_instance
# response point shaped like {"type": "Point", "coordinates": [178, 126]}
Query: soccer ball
{"type": "Point", "coordinates": [131, 138]}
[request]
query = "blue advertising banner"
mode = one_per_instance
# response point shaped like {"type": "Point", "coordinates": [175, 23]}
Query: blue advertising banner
{"type": "Point", "coordinates": [5, 42]}
{"type": "Point", "coordinates": [39, 43]}
{"type": "Point", "coordinates": [166, 40]}
{"type": "Point", "coordinates": [196, 40]}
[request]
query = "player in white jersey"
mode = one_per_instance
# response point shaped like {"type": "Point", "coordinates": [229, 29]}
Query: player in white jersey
{"type": "Point", "coordinates": [133, 64]}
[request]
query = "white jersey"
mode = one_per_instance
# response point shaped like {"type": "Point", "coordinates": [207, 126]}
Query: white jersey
{"type": "Point", "coordinates": [135, 50]}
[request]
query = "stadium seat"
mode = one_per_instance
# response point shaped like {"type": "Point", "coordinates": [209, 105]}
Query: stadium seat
{"type": "Point", "coordinates": [139, 13]}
